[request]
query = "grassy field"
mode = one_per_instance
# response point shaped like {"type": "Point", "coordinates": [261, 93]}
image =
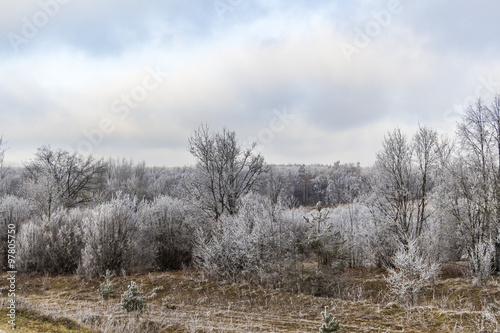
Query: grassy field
{"type": "Point", "coordinates": [195, 304]}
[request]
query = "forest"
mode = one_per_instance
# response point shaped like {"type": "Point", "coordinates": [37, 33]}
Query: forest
{"type": "Point", "coordinates": [427, 210]}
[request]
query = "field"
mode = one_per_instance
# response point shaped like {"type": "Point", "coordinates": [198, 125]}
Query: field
{"type": "Point", "coordinates": [185, 301]}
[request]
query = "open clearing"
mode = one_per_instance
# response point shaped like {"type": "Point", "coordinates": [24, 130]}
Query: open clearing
{"type": "Point", "coordinates": [73, 304]}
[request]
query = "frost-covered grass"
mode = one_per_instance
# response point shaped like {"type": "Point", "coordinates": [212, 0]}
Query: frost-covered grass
{"type": "Point", "coordinates": [202, 305]}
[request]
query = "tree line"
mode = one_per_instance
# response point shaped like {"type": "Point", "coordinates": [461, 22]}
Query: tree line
{"type": "Point", "coordinates": [428, 197]}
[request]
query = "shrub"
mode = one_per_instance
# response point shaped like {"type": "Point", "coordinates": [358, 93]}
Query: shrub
{"type": "Point", "coordinates": [109, 235]}
{"type": "Point", "coordinates": [411, 271]}
{"type": "Point", "coordinates": [13, 211]}
{"type": "Point", "coordinates": [253, 240]}
{"type": "Point", "coordinates": [51, 245]}
{"type": "Point", "coordinates": [166, 233]}
{"type": "Point", "coordinates": [481, 262]}
{"type": "Point", "coordinates": [132, 299]}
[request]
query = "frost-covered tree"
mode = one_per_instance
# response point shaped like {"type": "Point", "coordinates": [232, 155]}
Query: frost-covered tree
{"type": "Point", "coordinates": [405, 173]}
{"type": "Point", "coordinates": [277, 188]}
{"type": "Point", "coordinates": [10, 178]}
{"type": "Point", "coordinates": [168, 181]}
{"type": "Point", "coordinates": [128, 178]}
{"type": "Point", "coordinates": [58, 178]}
{"type": "Point", "coordinates": [345, 183]}
{"type": "Point", "coordinates": [109, 235]}
{"type": "Point", "coordinates": [493, 114]}
{"type": "Point", "coordinates": [471, 184]}
{"type": "Point", "coordinates": [400, 188]}
{"type": "Point", "coordinates": [427, 154]}
{"type": "Point", "coordinates": [12, 182]}
{"type": "Point", "coordinates": [224, 171]}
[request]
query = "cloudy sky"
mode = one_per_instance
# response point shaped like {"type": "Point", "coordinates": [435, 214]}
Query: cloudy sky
{"type": "Point", "coordinates": [311, 81]}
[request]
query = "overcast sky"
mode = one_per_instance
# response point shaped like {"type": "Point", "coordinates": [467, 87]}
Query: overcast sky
{"type": "Point", "coordinates": [310, 81]}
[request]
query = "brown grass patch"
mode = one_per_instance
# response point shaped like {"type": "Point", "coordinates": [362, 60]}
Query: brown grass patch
{"type": "Point", "coordinates": [201, 305]}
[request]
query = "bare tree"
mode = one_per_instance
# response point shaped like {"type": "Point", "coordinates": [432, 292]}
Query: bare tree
{"type": "Point", "coordinates": [60, 178]}
{"type": "Point", "coordinates": [224, 172]}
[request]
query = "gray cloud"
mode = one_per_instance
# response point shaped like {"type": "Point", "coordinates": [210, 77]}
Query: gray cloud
{"type": "Point", "coordinates": [236, 70]}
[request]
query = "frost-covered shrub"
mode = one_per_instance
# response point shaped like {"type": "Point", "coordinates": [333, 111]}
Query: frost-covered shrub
{"type": "Point", "coordinates": [481, 262]}
{"type": "Point", "coordinates": [132, 299]}
{"type": "Point", "coordinates": [13, 211]}
{"type": "Point", "coordinates": [355, 223]}
{"type": "Point", "coordinates": [52, 245]}
{"type": "Point", "coordinates": [166, 233]}
{"type": "Point", "coordinates": [253, 240]}
{"type": "Point", "coordinates": [109, 235]}
{"type": "Point", "coordinates": [228, 249]}
{"type": "Point", "coordinates": [410, 273]}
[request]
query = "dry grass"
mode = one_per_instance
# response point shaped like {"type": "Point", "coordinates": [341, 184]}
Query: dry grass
{"type": "Point", "coordinates": [452, 305]}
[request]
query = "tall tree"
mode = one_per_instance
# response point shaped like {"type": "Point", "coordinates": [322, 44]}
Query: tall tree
{"type": "Point", "coordinates": [405, 171]}
{"type": "Point", "coordinates": [476, 157]}
{"type": "Point", "coordinates": [396, 184]}
{"type": "Point", "coordinates": [426, 150]}
{"type": "Point", "coordinates": [304, 180]}
{"type": "Point", "coordinates": [474, 186]}
{"type": "Point", "coordinates": [224, 171]}
{"type": "Point", "coordinates": [493, 113]}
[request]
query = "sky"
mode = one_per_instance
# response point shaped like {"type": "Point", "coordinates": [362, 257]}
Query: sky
{"type": "Point", "coordinates": [310, 81]}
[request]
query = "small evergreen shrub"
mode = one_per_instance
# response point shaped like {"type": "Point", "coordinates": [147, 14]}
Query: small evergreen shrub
{"type": "Point", "coordinates": [330, 323]}
{"type": "Point", "coordinates": [132, 299]}
{"type": "Point", "coordinates": [107, 289]}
